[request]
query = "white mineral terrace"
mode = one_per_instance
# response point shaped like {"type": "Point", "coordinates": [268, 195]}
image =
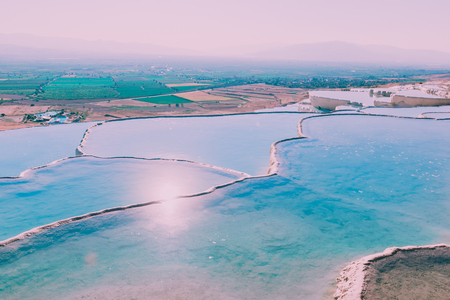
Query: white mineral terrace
{"type": "Point", "coordinates": [433, 94]}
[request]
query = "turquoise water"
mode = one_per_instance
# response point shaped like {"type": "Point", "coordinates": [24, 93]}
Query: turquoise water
{"type": "Point", "coordinates": [47, 114]}
{"type": "Point", "coordinates": [240, 142]}
{"type": "Point", "coordinates": [85, 184]}
{"type": "Point", "coordinates": [61, 119]}
{"type": "Point", "coordinates": [22, 149]}
{"type": "Point", "coordinates": [359, 184]}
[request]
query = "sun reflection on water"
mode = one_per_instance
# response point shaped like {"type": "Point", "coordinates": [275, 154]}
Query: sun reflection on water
{"type": "Point", "coordinates": [167, 185]}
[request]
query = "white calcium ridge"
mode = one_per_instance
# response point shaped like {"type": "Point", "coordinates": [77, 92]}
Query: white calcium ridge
{"type": "Point", "coordinates": [88, 131]}
{"type": "Point", "coordinates": [78, 151]}
{"type": "Point", "coordinates": [24, 173]}
{"type": "Point", "coordinates": [273, 169]}
{"type": "Point", "coordinates": [119, 208]}
{"type": "Point", "coordinates": [272, 172]}
{"type": "Point", "coordinates": [423, 115]}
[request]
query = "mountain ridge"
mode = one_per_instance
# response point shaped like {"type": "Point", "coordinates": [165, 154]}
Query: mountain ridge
{"type": "Point", "coordinates": [70, 45]}
{"type": "Point", "coordinates": [27, 46]}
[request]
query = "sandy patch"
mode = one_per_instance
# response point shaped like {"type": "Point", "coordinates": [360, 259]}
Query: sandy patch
{"type": "Point", "coordinates": [202, 96]}
{"type": "Point", "coordinates": [186, 84]}
{"type": "Point", "coordinates": [14, 110]}
{"type": "Point", "coordinates": [11, 97]}
{"type": "Point", "coordinates": [13, 119]}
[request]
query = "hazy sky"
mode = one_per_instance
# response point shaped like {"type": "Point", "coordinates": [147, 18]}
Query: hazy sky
{"type": "Point", "coordinates": [206, 24]}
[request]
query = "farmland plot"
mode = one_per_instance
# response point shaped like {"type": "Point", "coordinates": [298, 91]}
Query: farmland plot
{"type": "Point", "coordinates": [79, 88]}
{"type": "Point", "coordinates": [141, 88]}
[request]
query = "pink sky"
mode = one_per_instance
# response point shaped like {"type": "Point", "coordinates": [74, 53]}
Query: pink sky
{"type": "Point", "coordinates": [203, 25]}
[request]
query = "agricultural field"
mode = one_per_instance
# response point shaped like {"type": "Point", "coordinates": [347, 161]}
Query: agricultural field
{"type": "Point", "coordinates": [187, 87]}
{"type": "Point", "coordinates": [189, 84]}
{"type": "Point", "coordinates": [170, 79]}
{"type": "Point", "coordinates": [71, 82]}
{"type": "Point", "coordinates": [202, 96]}
{"type": "Point", "coordinates": [69, 88]}
{"type": "Point", "coordinates": [103, 90]}
{"type": "Point", "coordinates": [262, 92]}
{"type": "Point", "coordinates": [169, 99]}
{"type": "Point", "coordinates": [78, 93]}
{"type": "Point", "coordinates": [24, 87]}
{"type": "Point", "coordinates": [182, 83]}
{"type": "Point", "coordinates": [140, 87]}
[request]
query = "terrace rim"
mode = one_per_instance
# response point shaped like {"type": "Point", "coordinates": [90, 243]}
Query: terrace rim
{"type": "Point", "coordinates": [272, 171]}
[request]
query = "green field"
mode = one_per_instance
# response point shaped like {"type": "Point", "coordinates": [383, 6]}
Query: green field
{"type": "Point", "coordinates": [21, 87]}
{"type": "Point", "coordinates": [132, 77]}
{"type": "Point", "coordinates": [78, 93]}
{"type": "Point", "coordinates": [169, 79]}
{"type": "Point", "coordinates": [121, 80]}
{"type": "Point", "coordinates": [169, 99]}
{"type": "Point", "coordinates": [69, 88]}
{"type": "Point", "coordinates": [141, 88]}
{"type": "Point", "coordinates": [68, 82]}
{"type": "Point", "coordinates": [192, 87]}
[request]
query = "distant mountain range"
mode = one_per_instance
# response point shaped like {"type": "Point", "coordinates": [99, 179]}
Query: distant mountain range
{"type": "Point", "coordinates": [16, 45]}
{"type": "Point", "coordinates": [26, 46]}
